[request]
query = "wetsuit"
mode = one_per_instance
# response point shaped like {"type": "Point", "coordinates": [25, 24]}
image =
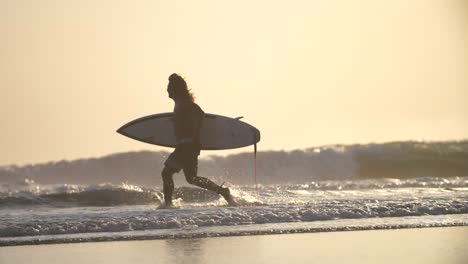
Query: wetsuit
{"type": "Point", "coordinates": [188, 118]}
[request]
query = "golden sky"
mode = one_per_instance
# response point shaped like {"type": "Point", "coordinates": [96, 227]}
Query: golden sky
{"type": "Point", "coordinates": [306, 73]}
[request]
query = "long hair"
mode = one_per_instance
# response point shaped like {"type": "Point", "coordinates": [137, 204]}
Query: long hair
{"type": "Point", "coordinates": [180, 87]}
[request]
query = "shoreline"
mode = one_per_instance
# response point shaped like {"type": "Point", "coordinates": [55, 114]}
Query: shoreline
{"type": "Point", "coordinates": [409, 245]}
{"type": "Point", "coordinates": [198, 233]}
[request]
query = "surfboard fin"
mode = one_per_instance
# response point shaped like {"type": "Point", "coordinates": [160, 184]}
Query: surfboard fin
{"type": "Point", "coordinates": [239, 117]}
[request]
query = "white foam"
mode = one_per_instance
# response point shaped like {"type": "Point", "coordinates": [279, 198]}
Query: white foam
{"type": "Point", "coordinates": [275, 204]}
{"type": "Point", "coordinates": [328, 205]}
{"type": "Point", "coordinates": [194, 231]}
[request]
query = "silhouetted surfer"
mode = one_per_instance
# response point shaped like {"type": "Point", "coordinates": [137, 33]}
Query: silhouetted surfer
{"type": "Point", "coordinates": [188, 119]}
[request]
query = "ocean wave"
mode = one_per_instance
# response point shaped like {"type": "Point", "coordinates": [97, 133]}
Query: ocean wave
{"type": "Point", "coordinates": [138, 219]}
{"type": "Point", "coordinates": [30, 209]}
{"type": "Point", "coordinates": [385, 183]}
{"type": "Point", "coordinates": [105, 194]}
{"type": "Point", "coordinates": [69, 195]}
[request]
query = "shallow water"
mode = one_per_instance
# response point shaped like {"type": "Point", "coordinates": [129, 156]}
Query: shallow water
{"type": "Point", "coordinates": [31, 214]}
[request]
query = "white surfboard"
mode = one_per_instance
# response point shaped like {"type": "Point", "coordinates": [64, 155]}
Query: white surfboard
{"type": "Point", "coordinates": [217, 132]}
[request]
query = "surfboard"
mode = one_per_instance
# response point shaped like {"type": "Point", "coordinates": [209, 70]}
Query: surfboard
{"type": "Point", "coordinates": [217, 131]}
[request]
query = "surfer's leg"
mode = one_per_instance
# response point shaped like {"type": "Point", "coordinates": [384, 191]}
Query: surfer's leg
{"type": "Point", "coordinates": [190, 160]}
{"type": "Point", "coordinates": [189, 157]}
{"type": "Point", "coordinates": [171, 166]}
{"type": "Point", "coordinates": [168, 184]}
{"type": "Point", "coordinates": [192, 178]}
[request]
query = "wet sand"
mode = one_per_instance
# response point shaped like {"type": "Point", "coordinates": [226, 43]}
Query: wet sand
{"type": "Point", "coordinates": [422, 245]}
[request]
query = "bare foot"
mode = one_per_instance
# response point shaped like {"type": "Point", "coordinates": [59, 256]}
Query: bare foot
{"type": "Point", "coordinates": [226, 193]}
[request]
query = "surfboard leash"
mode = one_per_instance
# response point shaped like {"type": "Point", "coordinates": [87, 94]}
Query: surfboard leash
{"type": "Point", "coordinates": [255, 161]}
{"type": "Point", "coordinates": [255, 165]}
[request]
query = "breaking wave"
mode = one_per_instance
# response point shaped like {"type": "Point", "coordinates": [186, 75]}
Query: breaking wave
{"type": "Point", "coordinates": [29, 193]}
{"type": "Point", "coordinates": [67, 195]}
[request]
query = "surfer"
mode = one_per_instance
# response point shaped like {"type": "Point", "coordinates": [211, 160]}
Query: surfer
{"type": "Point", "coordinates": [188, 118]}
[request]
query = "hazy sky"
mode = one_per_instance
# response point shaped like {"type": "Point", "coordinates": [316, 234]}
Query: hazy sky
{"type": "Point", "coordinates": [306, 73]}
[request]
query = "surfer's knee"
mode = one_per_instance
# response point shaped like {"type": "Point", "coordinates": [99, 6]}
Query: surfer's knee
{"type": "Point", "coordinates": [191, 175]}
{"type": "Point", "coordinates": [190, 180]}
{"type": "Point", "coordinates": [195, 180]}
{"type": "Point", "coordinates": [167, 173]}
